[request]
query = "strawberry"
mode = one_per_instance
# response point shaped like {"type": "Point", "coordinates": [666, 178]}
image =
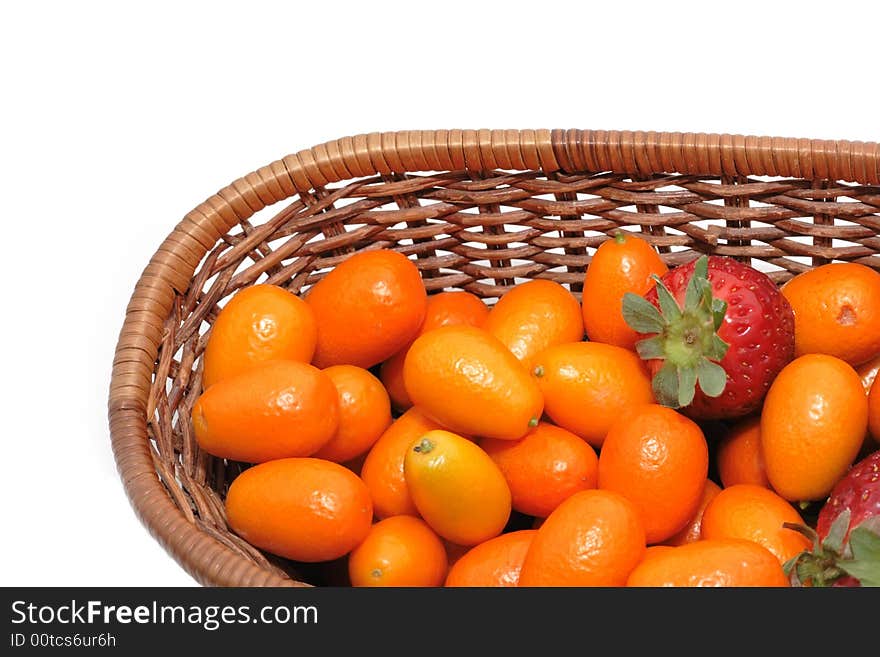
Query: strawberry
{"type": "Point", "coordinates": [846, 541]}
{"type": "Point", "coordinates": [716, 334]}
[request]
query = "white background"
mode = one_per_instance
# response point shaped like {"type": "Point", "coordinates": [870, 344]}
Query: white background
{"type": "Point", "coordinates": [117, 120]}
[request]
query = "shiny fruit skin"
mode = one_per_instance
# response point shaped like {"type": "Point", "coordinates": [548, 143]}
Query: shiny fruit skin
{"type": "Point", "coordinates": [466, 380]}
{"type": "Point", "coordinates": [874, 411]}
{"type": "Point", "coordinates": [692, 531]}
{"type": "Point", "coordinates": [275, 410]}
{"type": "Point", "coordinates": [274, 506]}
{"type": "Point", "coordinates": [837, 311]}
{"type": "Point", "coordinates": [587, 385]}
{"type": "Point", "coordinates": [740, 457]}
{"type": "Point", "coordinates": [535, 315]}
{"type": "Point", "coordinates": [620, 265]}
{"type": "Point", "coordinates": [367, 309]}
{"type": "Point", "coordinates": [755, 513]}
{"type": "Point", "coordinates": [443, 309]}
{"type": "Point", "coordinates": [398, 551]}
{"type": "Point", "coordinates": [259, 323]}
{"type": "Point", "coordinates": [594, 538]}
{"type": "Point", "coordinates": [711, 563]}
{"type": "Point", "coordinates": [496, 562]}
{"type": "Point", "coordinates": [868, 372]}
{"type": "Point", "coordinates": [544, 468]}
{"type": "Point", "coordinates": [456, 487]}
{"type": "Point", "coordinates": [382, 470]}
{"type": "Point", "coordinates": [758, 327]}
{"type": "Point", "coordinates": [658, 459]}
{"type": "Point", "coordinates": [812, 425]}
{"type": "Point", "coordinates": [364, 413]}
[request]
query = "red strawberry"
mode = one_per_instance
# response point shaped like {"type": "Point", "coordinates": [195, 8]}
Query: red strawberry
{"type": "Point", "coordinates": [717, 334]}
{"type": "Point", "coordinates": [846, 543]}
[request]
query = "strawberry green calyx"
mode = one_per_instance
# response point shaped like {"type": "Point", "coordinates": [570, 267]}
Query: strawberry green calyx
{"type": "Point", "coordinates": [839, 555]}
{"type": "Point", "coordinates": [685, 339]}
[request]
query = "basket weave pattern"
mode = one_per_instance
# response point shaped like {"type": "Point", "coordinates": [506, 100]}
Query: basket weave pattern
{"type": "Point", "coordinates": [475, 210]}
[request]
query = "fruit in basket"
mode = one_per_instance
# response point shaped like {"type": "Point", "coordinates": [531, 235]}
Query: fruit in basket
{"type": "Point", "coordinates": [535, 315]}
{"type": "Point", "coordinates": [367, 309]}
{"type": "Point", "coordinates": [594, 538]}
{"type": "Point", "coordinates": [456, 487]}
{"type": "Point", "coordinates": [739, 455]}
{"type": "Point", "coordinates": [465, 379]}
{"type": "Point", "coordinates": [274, 410]}
{"type": "Point", "coordinates": [587, 385]}
{"type": "Point", "coordinates": [692, 531]}
{"type": "Point", "coordinates": [305, 509]}
{"type": "Point", "coordinates": [711, 563]}
{"type": "Point", "coordinates": [443, 309]}
{"type": "Point", "coordinates": [812, 426]}
{"type": "Point", "coordinates": [496, 562]}
{"type": "Point", "coordinates": [509, 408]}
{"type": "Point", "coordinates": [364, 413]}
{"type": "Point", "coordinates": [755, 513]}
{"type": "Point", "coordinates": [259, 323]}
{"type": "Point", "coordinates": [544, 468]}
{"type": "Point", "coordinates": [399, 551]}
{"type": "Point", "coordinates": [846, 541]}
{"type": "Point", "coordinates": [716, 333]}
{"type": "Point", "coordinates": [382, 470]}
{"type": "Point", "coordinates": [837, 311]}
{"type": "Point", "coordinates": [623, 264]}
{"type": "Point", "coordinates": [658, 459]}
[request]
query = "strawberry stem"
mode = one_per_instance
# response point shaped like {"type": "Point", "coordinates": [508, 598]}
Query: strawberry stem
{"type": "Point", "coordinates": [834, 557]}
{"type": "Point", "coordinates": [685, 338]}
{"type": "Point", "coordinates": [424, 446]}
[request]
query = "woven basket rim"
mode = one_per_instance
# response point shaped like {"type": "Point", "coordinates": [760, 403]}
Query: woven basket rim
{"type": "Point", "coordinates": [171, 268]}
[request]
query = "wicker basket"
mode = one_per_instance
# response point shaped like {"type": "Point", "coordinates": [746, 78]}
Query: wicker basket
{"type": "Point", "coordinates": [478, 210]}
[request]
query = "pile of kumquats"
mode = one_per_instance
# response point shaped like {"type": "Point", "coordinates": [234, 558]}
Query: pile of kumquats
{"type": "Point", "coordinates": [694, 426]}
